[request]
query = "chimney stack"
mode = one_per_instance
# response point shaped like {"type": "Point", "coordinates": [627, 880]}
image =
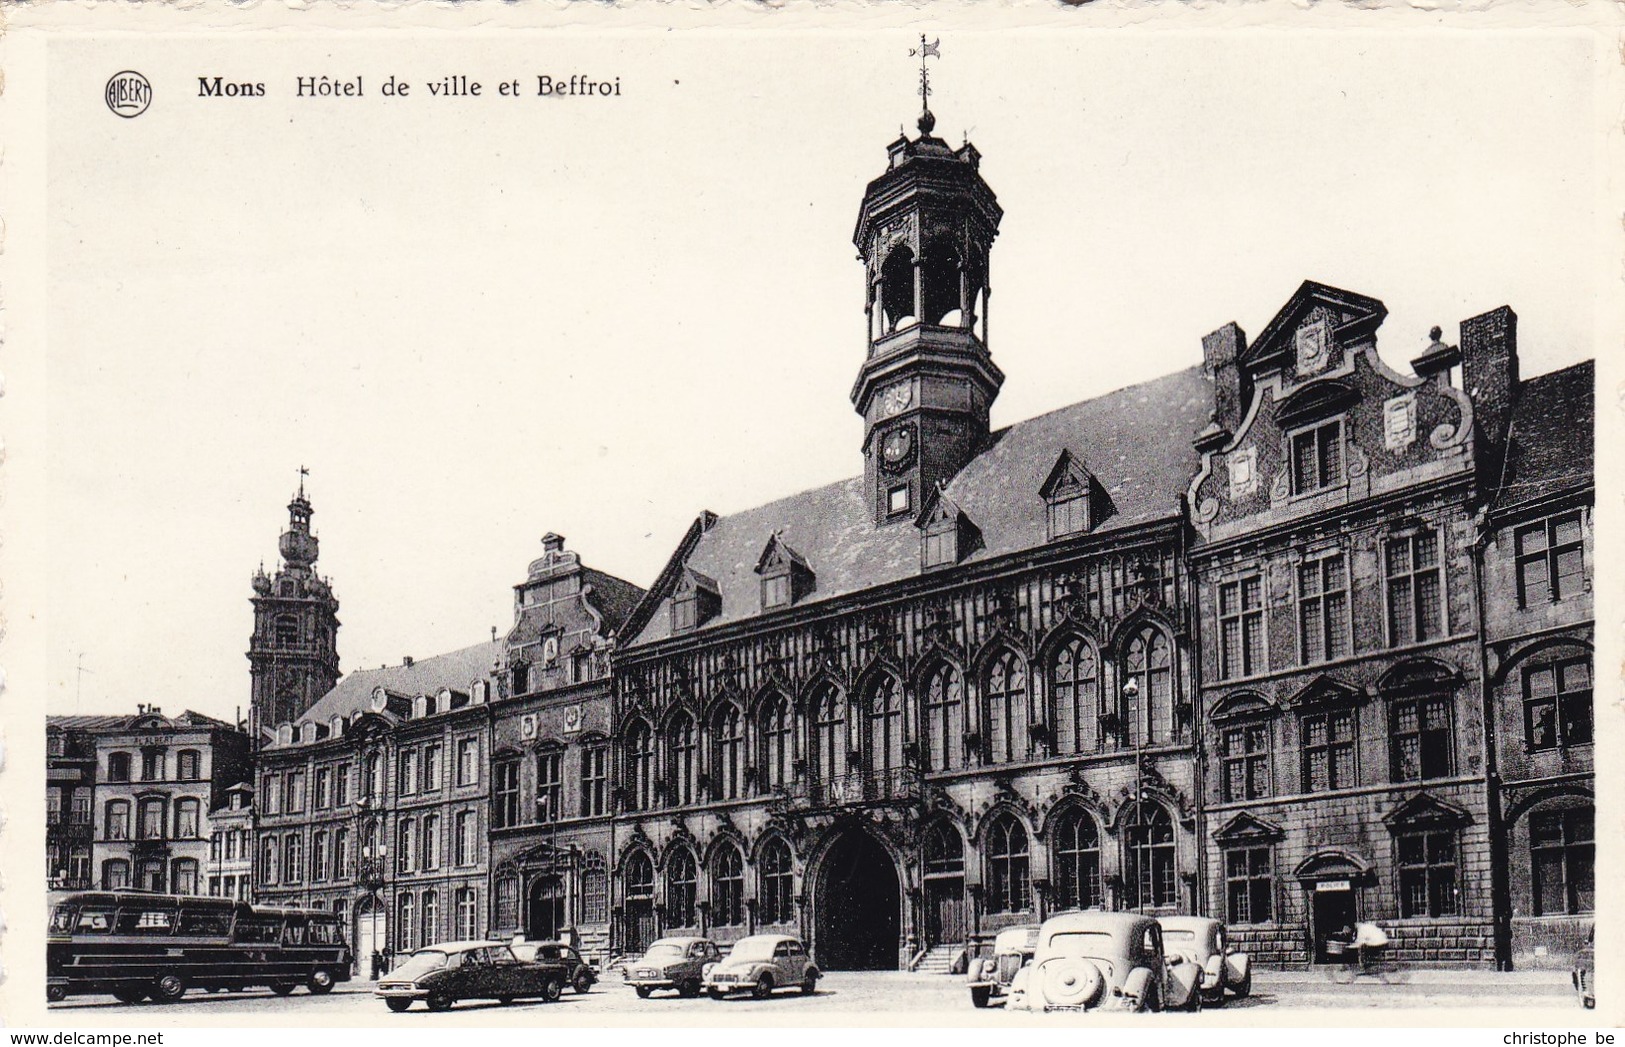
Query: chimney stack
{"type": "Point", "coordinates": [1489, 375]}
{"type": "Point", "coordinates": [1232, 390]}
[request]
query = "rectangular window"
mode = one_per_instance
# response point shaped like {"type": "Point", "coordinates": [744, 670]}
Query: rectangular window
{"type": "Point", "coordinates": [1249, 881]}
{"type": "Point", "coordinates": [270, 794]}
{"type": "Point", "coordinates": [1246, 762]}
{"type": "Point", "coordinates": [505, 795]}
{"type": "Point", "coordinates": [549, 786]}
{"type": "Point", "coordinates": [684, 613]}
{"type": "Point", "coordinates": [1419, 732]}
{"type": "Point", "coordinates": [1415, 590]}
{"type": "Point", "coordinates": [1551, 560]}
{"type": "Point", "coordinates": [1563, 854]}
{"type": "Point", "coordinates": [407, 781]}
{"type": "Point", "coordinates": [341, 785]}
{"type": "Point", "coordinates": [1317, 458]}
{"type": "Point", "coordinates": [429, 769]}
{"type": "Point", "coordinates": [776, 591]}
{"type": "Point", "coordinates": [467, 845]}
{"type": "Point", "coordinates": [152, 765]}
{"type": "Point", "coordinates": [1328, 750]}
{"type": "Point", "coordinates": [1427, 872]}
{"type": "Point", "coordinates": [468, 761]}
{"type": "Point", "coordinates": [1557, 704]}
{"type": "Point", "coordinates": [1241, 627]}
{"type": "Point", "coordinates": [897, 500]}
{"type": "Point", "coordinates": [1323, 609]}
{"type": "Point", "coordinates": [324, 787]}
{"type": "Point", "coordinates": [296, 791]}
{"type": "Point", "coordinates": [595, 781]}
{"type": "Point", "coordinates": [939, 547]}
{"type": "Point", "coordinates": [1068, 515]}
{"type": "Point", "coordinates": [431, 842]}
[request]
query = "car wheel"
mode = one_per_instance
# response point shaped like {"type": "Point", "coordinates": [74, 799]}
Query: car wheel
{"type": "Point", "coordinates": [809, 984]}
{"type": "Point", "coordinates": [439, 1001]}
{"type": "Point", "coordinates": [643, 991]}
{"type": "Point", "coordinates": [980, 995]}
{"type": "Point", "coordinates": [552, 990]}
{"type": "Point", "coordinates": [321, 982]}
{"type": "Point", "coordinates": [716, 994]}
{"type": "Point", "coordinates": [129, 995]}
{"type": "Point", "coordinates": [689, 989]}
{"type": "Point", "coordinates": [282, 988]}
{"type": "Point", "coordinates": [582, 982]}
{"type": "Point", "coordinates": [397, 1004]}
{"type": "Point", "coordinates": [169, 988]}
{"type": "Point", "coordinates": [1244, 988]}
{"type": "Point", "coordinates": [505, 1001]}
{"type": "Point", "coordinates": [762, 989]}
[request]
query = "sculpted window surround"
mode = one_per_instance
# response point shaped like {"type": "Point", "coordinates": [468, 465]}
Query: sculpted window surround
{"type": "Point", "coordinates": [1074, 689]}
{"type": "Point", "coordinates": [945, 718]}
{"type": "Point", "coordinates": [1076, 851]}
{"type": "Point", "coordinates": [1005, 710]}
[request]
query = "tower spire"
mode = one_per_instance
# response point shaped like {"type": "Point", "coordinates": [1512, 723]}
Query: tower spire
{"type": "Point", "coordinates": [303, 472]}
{"type": "Point", "coordinates": [924, 51]}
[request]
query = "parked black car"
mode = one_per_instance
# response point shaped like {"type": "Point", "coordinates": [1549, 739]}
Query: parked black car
{"type": "Point", "coordinates": [579, 975]}
{"type": "Point", "coordinates": [440, 975]}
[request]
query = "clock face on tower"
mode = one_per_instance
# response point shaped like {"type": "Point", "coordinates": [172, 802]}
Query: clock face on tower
{"type": "Point", "coordinates": [895, 401]}
{"type": "Point", "coordinates": [897, 448]}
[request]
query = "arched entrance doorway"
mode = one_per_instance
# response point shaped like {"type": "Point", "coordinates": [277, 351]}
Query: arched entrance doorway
{"type": "Point", "coordinates": [544, 911]}
{"type": "Point", "coordinates": [857, 906]}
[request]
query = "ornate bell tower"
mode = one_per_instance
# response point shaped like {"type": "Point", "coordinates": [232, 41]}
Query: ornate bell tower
{"type": "Point", "coordinates": [924, 233]}
{"type": "Point", "coordinates": [293, 654]}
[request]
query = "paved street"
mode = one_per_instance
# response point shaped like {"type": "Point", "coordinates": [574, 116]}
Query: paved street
{"type": "Point", "coordinates": [841, 993]}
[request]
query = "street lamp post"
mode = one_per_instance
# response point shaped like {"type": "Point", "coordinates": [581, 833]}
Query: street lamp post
{"type": "Point", "coordinates": [1136, 726]}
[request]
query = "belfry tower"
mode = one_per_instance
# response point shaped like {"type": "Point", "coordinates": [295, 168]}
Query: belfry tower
{"type": "Point", "coordinates": [293, 654]}
{"type": "Point", "coordinates": [924, 233]}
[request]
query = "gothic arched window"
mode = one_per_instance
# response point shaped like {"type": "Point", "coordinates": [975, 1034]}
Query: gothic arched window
{"type": "Point", "coordinates": [680, 890]}
{"type": "Point", "coordinates": [1076, 852]}
{"type": "Point", "coordinates": [727, 887]}
{"type": "Point", "coordinates": [681, 764]}
{"type": "Point", "coordinates": [728, 752]}
{"type": "Point", "coordinates": [774, 892]}
{"type": "Point", "coordinates": [777, 736]}
{"type": "Point", "coordinates": [1148, 688]}
{"type": "Point", "coordinates": [1007, 864]}
{"type": "Point", "coordinates": [1148, 856]}
{"type": "Point", "coordinates": [829, 734]}
{"type": "Point", "coordinates": [638, 878]}
{"type": "Point", "coordinates": [640, 761]}
{"type": "Point", "coordinates": [1074, 696]}
{"type": "Point", "coordinates": [944, 718]}
{"type": "Point", "coordinates": [944, 851]}
{"type": "Point", "coordinates": [885, 725]}
{"type": "Point", "coordinates": [1004, 707]}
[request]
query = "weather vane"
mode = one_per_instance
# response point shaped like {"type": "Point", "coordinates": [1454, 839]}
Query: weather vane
{"type": "Point", "coordinates": [924, 51]}
{"type": "Point", "coordinates": [303, 472]}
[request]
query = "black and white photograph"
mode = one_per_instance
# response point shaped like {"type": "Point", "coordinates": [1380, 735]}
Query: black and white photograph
{"type": "Point", "coordinates": [549, 524]}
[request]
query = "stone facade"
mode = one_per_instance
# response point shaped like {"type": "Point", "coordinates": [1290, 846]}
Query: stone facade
{"type": "Point", "coordinates": [231, 845]}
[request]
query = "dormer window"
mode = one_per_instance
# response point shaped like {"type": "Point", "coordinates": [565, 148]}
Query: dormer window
{"type": "Point", "coordinates": [696, 601]}
{"type": "Point", "coordinates": [946, 534]}
{"type": "Point", "coordinates": [1317, 458]}
{"type": "Point", "coordinates": [1073, 496]}
{"type": "Point", "coordinates": [786, 575]}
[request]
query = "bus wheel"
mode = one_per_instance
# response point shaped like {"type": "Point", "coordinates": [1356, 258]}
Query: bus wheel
{"type": "Point", "coordinates": [282, 988]}
{"type": "Point", "coordinates": [129, 995]}
{"type": "Point", "coordinates": [168, 988]}
{"type": "Point", "coordinates": [321, 982]}
{"type": "Point", "coordinates": [56, 994]}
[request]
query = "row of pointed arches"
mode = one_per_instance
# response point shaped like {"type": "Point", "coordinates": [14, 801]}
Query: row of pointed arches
{"type": "Point", "coordinates": [723, 891]}
{"type": "Point", "coordinates": [1076, 704]}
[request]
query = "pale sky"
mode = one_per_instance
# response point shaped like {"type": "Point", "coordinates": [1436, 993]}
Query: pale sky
{"type": "Point", "coordinates": [480, 320]}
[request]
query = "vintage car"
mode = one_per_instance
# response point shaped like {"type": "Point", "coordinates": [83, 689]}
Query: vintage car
{"type": "Point", "coordinates": [759, 964]}
{"type": "Point", "coordinates": [579, 975]}
{"type": "Point", "coordinates": [1584, 961]}
{"type": "Point", "coordinates": [990, 976]}
{"type": "Point", "coordinates": [1107, 961]}
{"type": "Point", "coordinates": [1202, 941]}
{"type": "Point", "coordinates": [440, 975]}
{"type": "Point", "coordinates": [673, 963]}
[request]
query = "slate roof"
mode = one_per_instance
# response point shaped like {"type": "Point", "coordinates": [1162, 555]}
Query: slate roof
{"type": "Point", "coordinates": [1550, 449]}
{"type": "Point", "coordinates": [189, 718]}
{"type": "Point", "coordinates": [1136, 442]}
{"type": "Point", "coordinates": [455, 669]}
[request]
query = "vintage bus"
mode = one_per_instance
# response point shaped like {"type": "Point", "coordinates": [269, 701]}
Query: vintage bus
{"type": "Point", "coordinates": [138, 945]}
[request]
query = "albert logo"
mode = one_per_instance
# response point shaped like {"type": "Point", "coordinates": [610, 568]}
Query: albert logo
{"type": "Point", "coordinates": [128, 94]}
